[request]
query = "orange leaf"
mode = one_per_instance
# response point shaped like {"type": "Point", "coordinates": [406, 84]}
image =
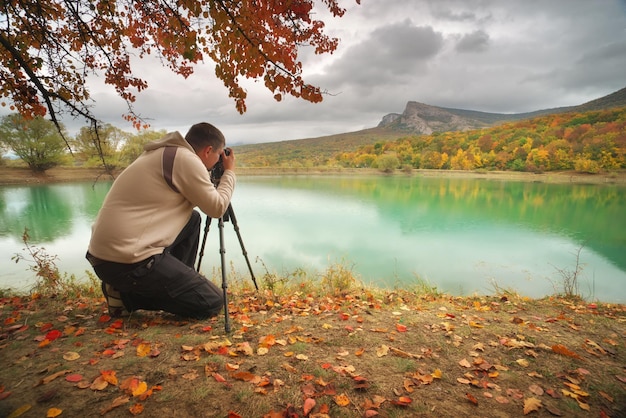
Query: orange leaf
{"type": "Point", "coordinates": [561, 349]}
{"type": "Point", "coordinates": [402, 401]}
{"type": "Point", "coordinates": [342, 400]}
{"type": "Point", "coordinates": [218, 377]}
{"type": "Point", "coordinates": [401, 328]}
{"type": "Point", "coordinates": [136, 409]}
{"type": "Point", "coordinates": [53, 412]}
{"type": "Point", "coordinates": [109, 376]}
{"type": "Point", "coordinates": [471, 398]}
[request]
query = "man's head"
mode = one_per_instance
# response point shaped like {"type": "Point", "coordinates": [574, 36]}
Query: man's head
{"type": "Point", "coordinates": [207, 141]}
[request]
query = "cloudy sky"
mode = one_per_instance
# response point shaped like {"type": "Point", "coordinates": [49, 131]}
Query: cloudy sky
{"type": "Point", "coordinates": [505, 56]}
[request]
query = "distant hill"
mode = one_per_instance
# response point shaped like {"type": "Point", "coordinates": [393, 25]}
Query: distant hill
{"type": "Point", "coordinates": [420, 118]}
{"type": "Point", "coordinates": [417, 118]}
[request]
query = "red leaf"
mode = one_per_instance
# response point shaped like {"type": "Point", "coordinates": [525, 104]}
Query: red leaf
{"type": "Point", "coordinates": [53, 335]}
{"type": "Point", "coordinates": [401, 328]}
{"type": "Point", "coordinates": [471, 398]}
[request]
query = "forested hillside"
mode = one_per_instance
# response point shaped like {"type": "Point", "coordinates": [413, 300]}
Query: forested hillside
{"type": "Point", "coordinates": [587, 142]}
{"type": "Point", "coordinates": [548, 139]}
{"type": "Point", "coordinates": [590, 142]}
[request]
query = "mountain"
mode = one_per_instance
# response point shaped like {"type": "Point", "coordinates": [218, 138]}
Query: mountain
{"type": "Point", "coordinates": [420, 118]}
{"type": "Point", "coordinates": [417, 118]}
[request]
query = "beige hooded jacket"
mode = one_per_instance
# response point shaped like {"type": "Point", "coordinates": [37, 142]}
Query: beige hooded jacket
{"type": "Point", "coordinates": [142, 214]}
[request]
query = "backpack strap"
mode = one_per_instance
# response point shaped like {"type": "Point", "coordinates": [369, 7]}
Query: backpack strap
{"type": "Point", "coordinates": [168, 164]}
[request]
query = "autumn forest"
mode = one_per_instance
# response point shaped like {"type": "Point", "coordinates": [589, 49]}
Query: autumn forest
{"type": "Point", "coordinates": [589, 142]}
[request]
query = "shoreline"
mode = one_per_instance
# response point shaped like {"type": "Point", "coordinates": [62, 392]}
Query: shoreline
{"type": "Point", "coordinates": [24, 176]}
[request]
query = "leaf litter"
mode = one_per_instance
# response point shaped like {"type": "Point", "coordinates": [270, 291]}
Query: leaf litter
{"type": "Point", "coordinates": [306, 355]}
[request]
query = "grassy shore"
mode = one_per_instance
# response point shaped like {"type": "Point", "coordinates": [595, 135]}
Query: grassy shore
{"type": "Point", "coordinates": [20, 175]}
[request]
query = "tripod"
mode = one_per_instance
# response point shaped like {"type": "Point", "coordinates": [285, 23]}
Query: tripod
{"type": "Point", "coordinates": [228, 215]}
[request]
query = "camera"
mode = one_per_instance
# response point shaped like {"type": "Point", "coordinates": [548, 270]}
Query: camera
{"type": "Point", "coordinates": [218, 168]}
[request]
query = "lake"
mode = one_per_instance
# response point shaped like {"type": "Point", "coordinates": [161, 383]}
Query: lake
{"type": "Point", "coordinates": [463, 236]}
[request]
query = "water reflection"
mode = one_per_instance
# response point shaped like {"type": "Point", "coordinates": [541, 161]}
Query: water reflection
{"type": "Point", "coordinates": [461, 235]}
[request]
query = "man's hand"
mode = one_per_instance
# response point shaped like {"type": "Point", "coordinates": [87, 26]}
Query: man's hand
{"type": "Point", "coordinates": [228, 160]}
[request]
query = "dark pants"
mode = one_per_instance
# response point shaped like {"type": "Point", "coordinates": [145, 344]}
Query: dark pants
{"type": "Point", "coordinates": [167, 281]}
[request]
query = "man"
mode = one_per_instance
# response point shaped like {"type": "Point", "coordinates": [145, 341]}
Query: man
{"type": "Point", "coordinates": [145, 238]}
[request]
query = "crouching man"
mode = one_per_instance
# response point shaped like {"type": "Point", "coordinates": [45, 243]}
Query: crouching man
{"type": "Point", "coordinates": [145, 238]}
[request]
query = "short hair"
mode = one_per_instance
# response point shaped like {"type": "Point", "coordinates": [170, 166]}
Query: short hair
{"type": "Point", "coordinates": [204, 134]}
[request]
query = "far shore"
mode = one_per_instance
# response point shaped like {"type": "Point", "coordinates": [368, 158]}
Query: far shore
{"type": "Point", "coordinates": [19, 175]}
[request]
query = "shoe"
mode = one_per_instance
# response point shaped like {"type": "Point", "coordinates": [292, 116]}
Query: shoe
{"type": "Point", "coordinates": [114, 301]}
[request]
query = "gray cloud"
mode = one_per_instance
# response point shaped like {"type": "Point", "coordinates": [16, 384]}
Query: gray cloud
{"type": "Point", "coordinates": [490, 55]}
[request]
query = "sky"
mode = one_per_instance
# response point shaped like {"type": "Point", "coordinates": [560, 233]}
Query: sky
{"type": "Point", "coordinates": [503, 56]}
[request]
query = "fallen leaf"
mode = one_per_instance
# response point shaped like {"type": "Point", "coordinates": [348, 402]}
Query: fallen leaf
{"type": "Point", "coordinates": [536, 389]}
{"type": "Point", "coordinates": [465, 363]}
{"type": "Point", "coordinates": [383, 350]}
{"type": "Point", "coordinates": [136, 409]}
{"type": "Point", "coordinates": [531, 405]}
{"type": "Point", "coordinates": [19, 411]}
{"type": "Point", "coordinates": [342, 400]}
{"type": "Point", "coordinates": [109, 376]}
{"type": "Point", "coordinates": [71, 356]}
{"type": "Point", "coordinates": [74, 378]}
{"type": "Point", "coordinates": [401, 328]}
{"type": "Point", "coordinates": [99, 383]}
{"type": "Point", "coordinates": [309, 404]}
{"type": "Point", "coordinates": [472, 398]}
{"type": "Point", "coordinates": [119, 401]}
{"type": "Point", "coordinates": [143, 349]}
{"type": "Point", "coordinates": [53, 412]}
{"type": "Point", "coordinates": [561, 349]}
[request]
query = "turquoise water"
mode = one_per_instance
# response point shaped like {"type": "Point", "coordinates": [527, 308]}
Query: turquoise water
{"type": "Point", "coordinates": [462, 235]}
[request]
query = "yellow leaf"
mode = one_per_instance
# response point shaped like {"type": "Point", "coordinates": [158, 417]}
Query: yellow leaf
{"type": "Point", "coordinates": [437, 374]}
{"type": "Point", "coordinates": [140, 389]}
{"type": "Point", "coordinates": [53, 412]}
{"type": "Point", "coordinates": [19, 411]}
{"type": "Point", "coordinates": [71, 356]}
{"type": "Point", "coordinates": [522, 362]}
{"type": "Point", "coordinates": [143, 349]}
{"type": "Point", "coordinates": [531, 404]}
{"type": "Point", "coordinates": [383, 350]}
{"type": "Point", "coordinates": [475, 324]}
{"type": "Point", "coordinates": [261, 351]}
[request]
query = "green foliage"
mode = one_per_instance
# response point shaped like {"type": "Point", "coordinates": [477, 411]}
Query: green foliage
{"type": "Point", "coordinates": [133, 146]}
{"type": "Point", "coordinates": [101, 149]}
{"type": "Point", "coordinates": [387, 163]}
{"type": "Point", "coordinates": [36, 141]}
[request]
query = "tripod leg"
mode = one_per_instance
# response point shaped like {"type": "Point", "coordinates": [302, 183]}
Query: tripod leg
{"type": "Point", "coordinates": [233, 218]}
{"type": "Point", "coordinates": [206, 232]}
{"type": "Point", "coordinates": [220, 225]}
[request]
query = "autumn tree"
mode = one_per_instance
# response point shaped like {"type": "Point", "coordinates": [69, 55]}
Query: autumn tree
{"type": "Point", "coordinates": [48, 48]}
{"type": "Point", "coordinates": [36, 141]}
